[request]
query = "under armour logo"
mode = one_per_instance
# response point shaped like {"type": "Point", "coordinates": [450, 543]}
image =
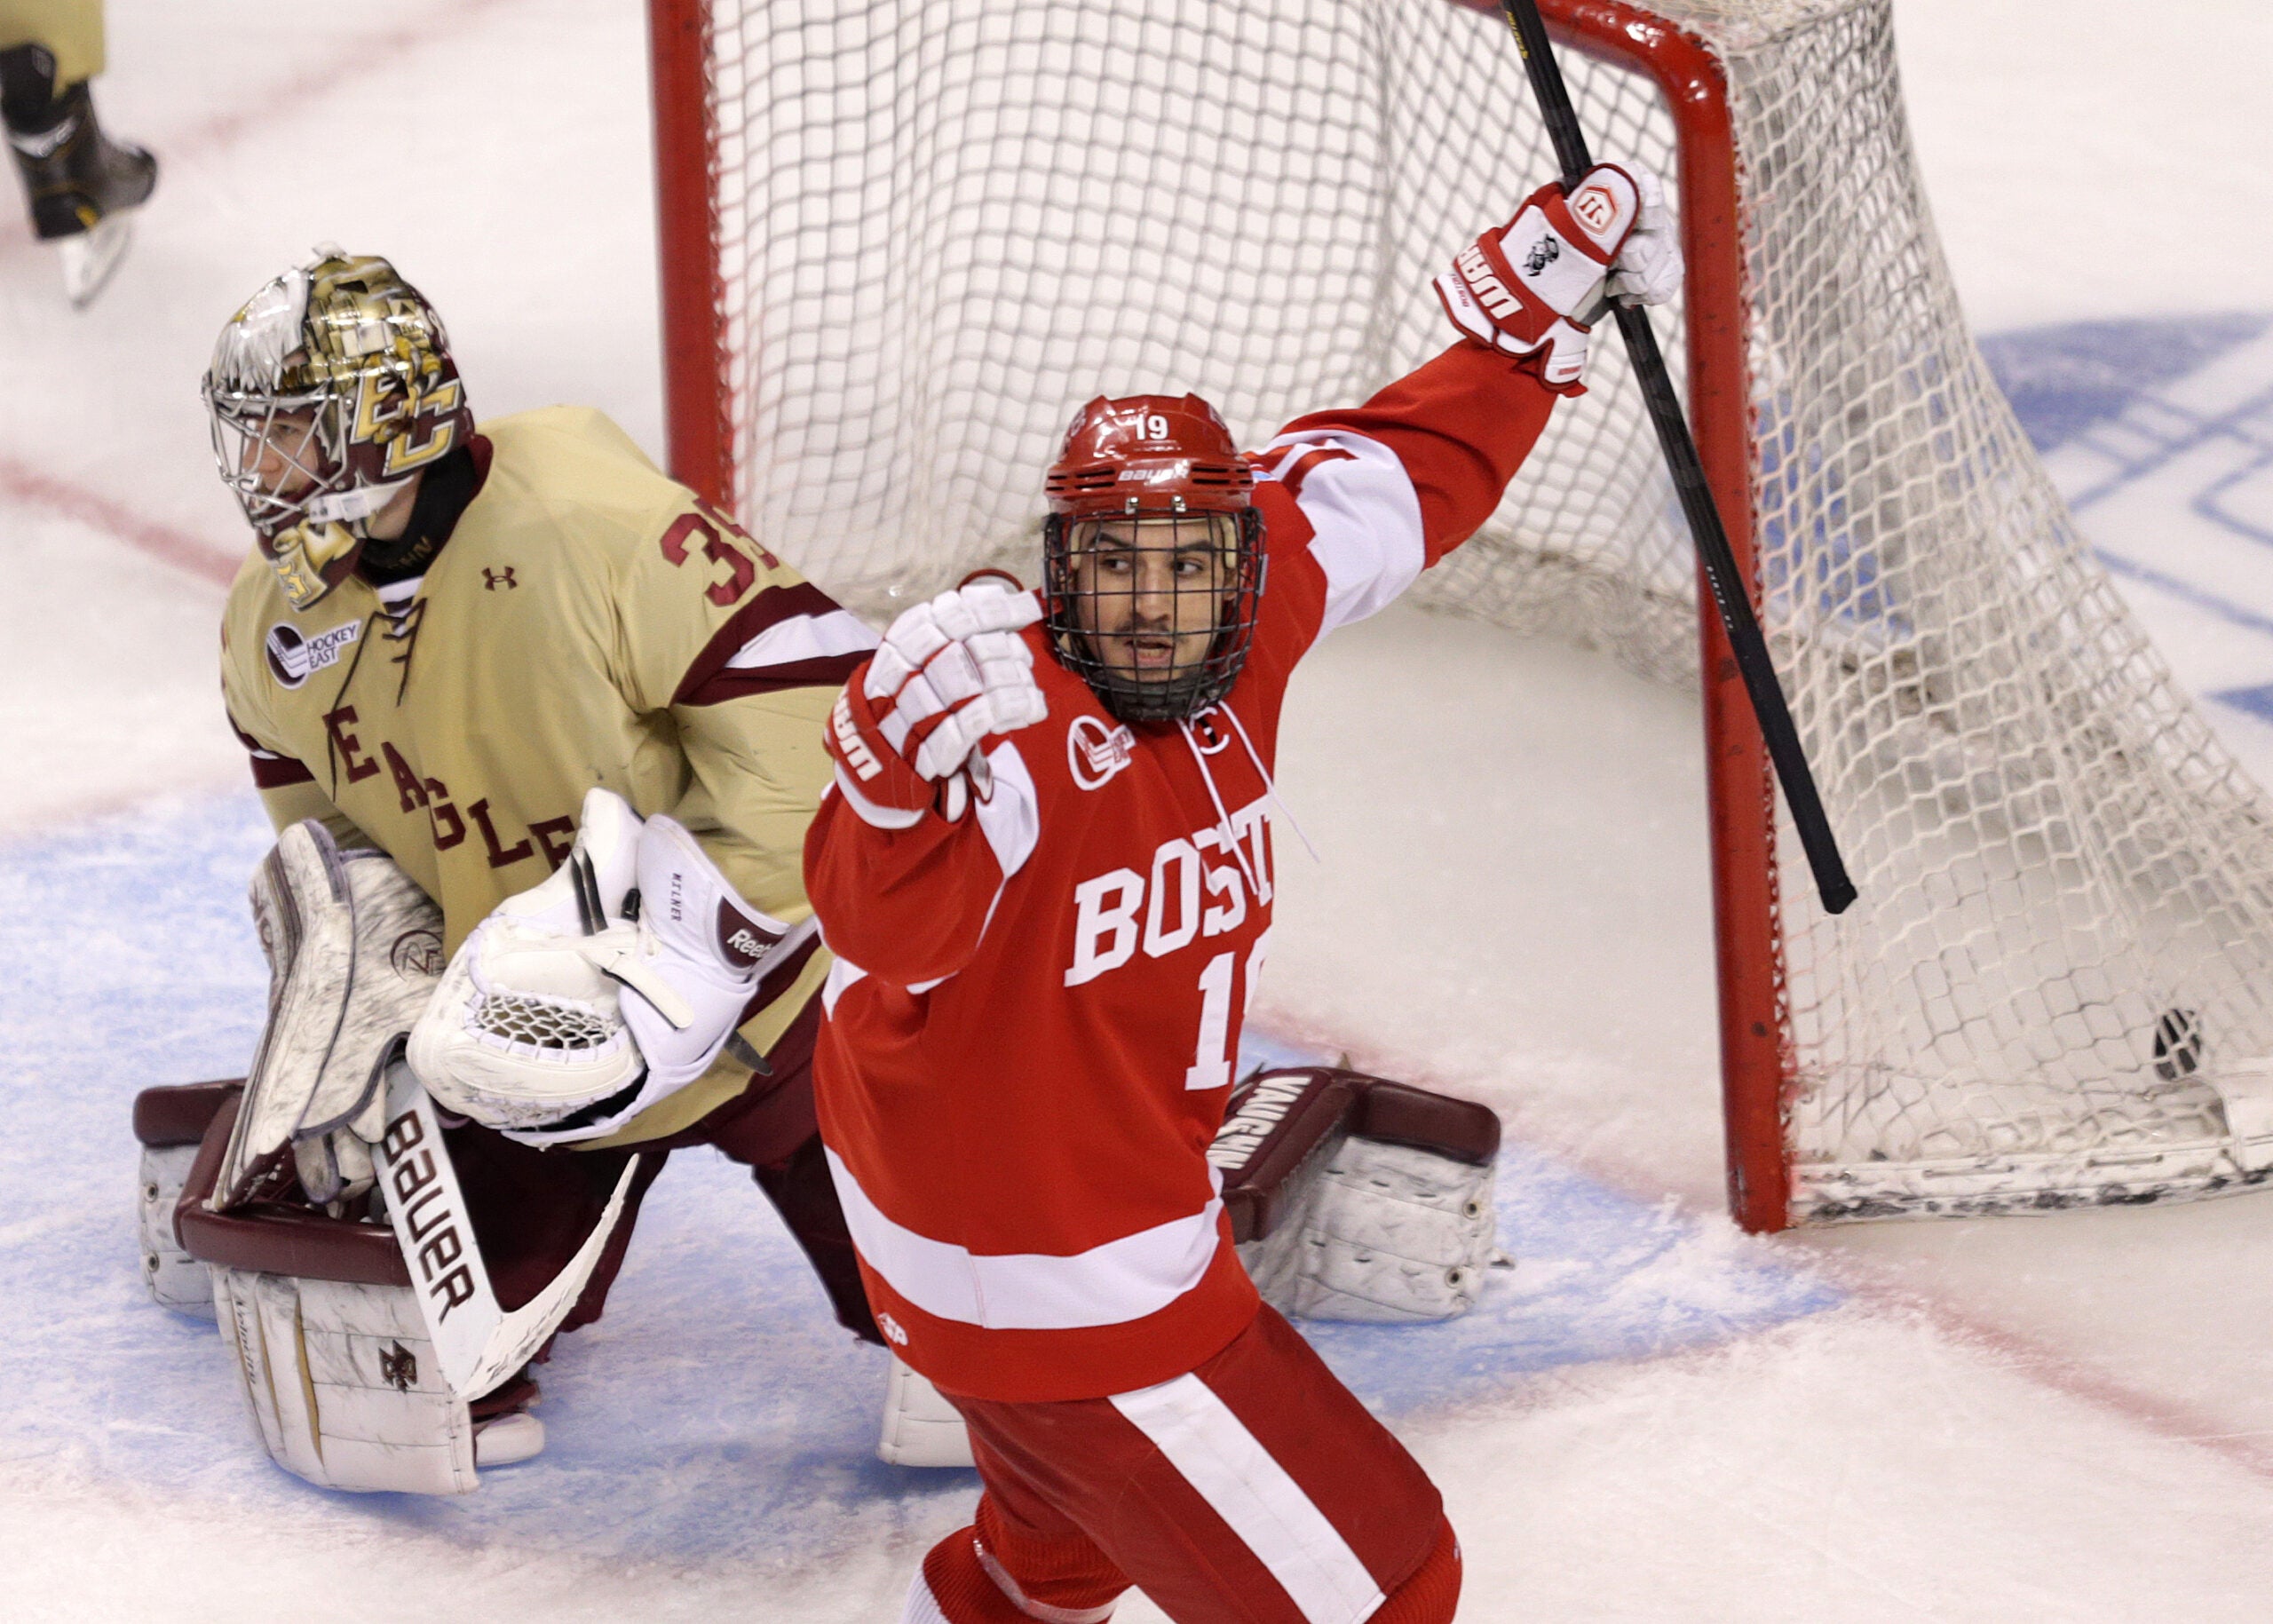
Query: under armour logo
{"type": "Point", "coordinates": [492, 579]}
{"type": "Point", "coordinates": [397, 1367]}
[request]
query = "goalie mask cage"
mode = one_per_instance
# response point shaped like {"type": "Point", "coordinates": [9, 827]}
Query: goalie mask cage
{"type": "Point", "coordinates": [900, 243]}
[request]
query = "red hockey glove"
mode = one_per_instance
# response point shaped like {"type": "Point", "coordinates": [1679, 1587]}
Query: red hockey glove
{"type": "Point", "coordinates": [1524, 287]}
{"type": "Point", "coordinates": [949, 673]}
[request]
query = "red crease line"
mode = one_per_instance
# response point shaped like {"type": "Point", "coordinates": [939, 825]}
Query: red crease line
{"type": "Point", "coordinates": [177, 548]}
{"type": "Point", "coordinates": [318, 81]}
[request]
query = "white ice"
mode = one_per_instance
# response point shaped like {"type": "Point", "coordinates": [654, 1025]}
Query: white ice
{"type": "Point", "coordinates": [2064, 1417]}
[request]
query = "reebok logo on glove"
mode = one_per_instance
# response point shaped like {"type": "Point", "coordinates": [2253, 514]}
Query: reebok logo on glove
{"type": "Point", "coordinates": [742, 942]}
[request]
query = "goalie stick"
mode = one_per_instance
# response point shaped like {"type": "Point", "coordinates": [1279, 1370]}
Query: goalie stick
{"type": "Point", "coordinates": [480, 1343]}
{"type": "Point", "coordinates": [1730, 593]}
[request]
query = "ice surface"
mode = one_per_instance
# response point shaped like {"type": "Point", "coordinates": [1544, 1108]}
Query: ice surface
{"type": "Point", "coordinates": [1654, 1418]}
{"type": "Point", "coordinates": [716, 1415]}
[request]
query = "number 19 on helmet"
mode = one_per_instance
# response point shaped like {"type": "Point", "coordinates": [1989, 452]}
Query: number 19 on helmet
{"type": "Point", "coordinates": [1152, 555]}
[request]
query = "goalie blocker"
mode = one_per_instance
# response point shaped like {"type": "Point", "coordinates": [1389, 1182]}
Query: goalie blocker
{"type": "Point", "coordinates": [1352, 1197]}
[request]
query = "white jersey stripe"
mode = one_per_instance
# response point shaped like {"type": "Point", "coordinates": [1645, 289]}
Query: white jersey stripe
{"type": "Point", "coordinates": [805, 637]}
{"type": "Point", "coordinates": [1110, 1284]}
{"type": "Point", "coordinates": [843, 972]}
{"type": "Point", "coordinates": [1254, 1495]}
{"type": "Point", "coordinates": [1010, 814]}
{"type": "Point", "coordinates": [868, 811]}
{"type": "Point", "coordinates": [1365, 518]}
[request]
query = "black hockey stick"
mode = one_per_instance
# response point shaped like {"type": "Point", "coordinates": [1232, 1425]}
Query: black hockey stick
{"type": "Point", "coordinates": [1730, 593]}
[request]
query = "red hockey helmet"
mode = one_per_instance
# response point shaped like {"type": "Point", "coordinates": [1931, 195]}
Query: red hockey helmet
{"type": "Point", "coordinates": [1152, 555]}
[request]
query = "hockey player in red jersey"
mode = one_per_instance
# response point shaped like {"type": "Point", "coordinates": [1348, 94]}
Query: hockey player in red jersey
{"type": "Point", "coordinates": [1045, 870]}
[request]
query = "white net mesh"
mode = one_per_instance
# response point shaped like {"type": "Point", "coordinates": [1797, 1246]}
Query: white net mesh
{"type": "Point", "coordinates": [943, 227]}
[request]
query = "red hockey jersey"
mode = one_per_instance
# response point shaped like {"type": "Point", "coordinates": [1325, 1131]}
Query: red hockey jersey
{"type": "Point", "coordinates": [1034, 1012]}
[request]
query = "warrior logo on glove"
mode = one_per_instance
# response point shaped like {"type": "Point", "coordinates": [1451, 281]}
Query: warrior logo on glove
{"type": "Point", "coordinates": [1610, 239]}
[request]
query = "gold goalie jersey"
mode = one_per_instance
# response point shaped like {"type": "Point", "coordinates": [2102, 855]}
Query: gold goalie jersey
{"type": "Point", "coordinates": [591, 622]}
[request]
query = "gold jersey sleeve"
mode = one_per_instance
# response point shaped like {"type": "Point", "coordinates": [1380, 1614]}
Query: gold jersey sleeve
{"type": "Point", "coordinates": [72, 30]}
{"type": "Point", "coordinates": [589, 622]}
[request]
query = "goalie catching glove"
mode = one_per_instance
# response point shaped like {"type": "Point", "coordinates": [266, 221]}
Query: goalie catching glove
{"type": "Point", "coordinates": [1533, 287]}
{"type": "Point", "coordinates": [1354, 1198]}
{"type": "Point", "coordinates": [583, 1001]}
{"type": "Point", "coordinates": [949, 673]}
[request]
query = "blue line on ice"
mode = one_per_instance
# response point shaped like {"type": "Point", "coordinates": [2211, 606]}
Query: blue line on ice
{"type": "Point", "coordinates": [716, 1411]}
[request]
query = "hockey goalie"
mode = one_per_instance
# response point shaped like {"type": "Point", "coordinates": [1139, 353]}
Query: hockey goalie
{"type": "Point", "coordinates": [1045, 870]}
{"type": "Point", "coordinates": [541, 734]}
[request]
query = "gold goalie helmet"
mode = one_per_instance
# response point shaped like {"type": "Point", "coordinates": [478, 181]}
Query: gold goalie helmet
{"type": "Point", "coordinates": [328, 391]}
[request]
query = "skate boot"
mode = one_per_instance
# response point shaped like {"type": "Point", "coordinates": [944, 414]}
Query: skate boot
{"type": "Point", "coordinates": [78, 181]}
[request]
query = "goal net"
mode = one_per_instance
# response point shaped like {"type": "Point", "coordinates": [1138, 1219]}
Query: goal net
{"type": "Point", "coordinates": [902, 242]}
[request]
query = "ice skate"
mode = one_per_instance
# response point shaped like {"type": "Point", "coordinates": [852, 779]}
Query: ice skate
{"type": "Point", "coordinates": [81, 185]}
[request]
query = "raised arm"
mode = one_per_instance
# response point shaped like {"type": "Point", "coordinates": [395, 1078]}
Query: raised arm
{"type": "Point", "coordinates": [1386, 489]}
{"type": "Point", "coordinates": [909, 853]}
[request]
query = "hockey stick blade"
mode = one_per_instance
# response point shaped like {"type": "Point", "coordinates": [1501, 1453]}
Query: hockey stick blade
{"type": "Point", "coordinates": [1730, 596]}
{"type": "Point", "coordinates": [479, 1341]}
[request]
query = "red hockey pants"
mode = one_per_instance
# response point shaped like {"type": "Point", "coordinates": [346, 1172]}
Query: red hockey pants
{"type": "Point", "coordinates": [1256, 1490]}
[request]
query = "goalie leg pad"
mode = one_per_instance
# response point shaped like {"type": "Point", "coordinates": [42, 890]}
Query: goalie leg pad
{"type": "Point", "coordinates": [921, 1428]}
{"type": "Point", "coordinates": [1355, 1197]}
{"type": "Point", "coordinates": [344, 1384]}
{"type": "Point", "coordinates": [355, 949]}
{"type": "Point", "coordinates": [176, 1280]}
{"type": "Point", "coordinates": [376, 1356]}
{"type": "Point", "coordinates": [1386, 1233]}
{"type": "Point", "coordinates": [170, 1122]}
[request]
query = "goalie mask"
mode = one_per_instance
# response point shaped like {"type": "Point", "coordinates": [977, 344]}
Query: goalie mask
{"type": "Point", "coordinates": [1152, 556]}
{"type": "Point", "coordinates": [328, 392]}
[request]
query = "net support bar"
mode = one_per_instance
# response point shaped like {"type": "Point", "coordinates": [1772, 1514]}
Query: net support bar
{"type": "Point", "coordinates": [1755, 1062]}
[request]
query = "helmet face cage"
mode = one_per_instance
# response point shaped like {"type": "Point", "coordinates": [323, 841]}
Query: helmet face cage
{"type": "Point", "coordinates": [1152, 555]}
{"type": "Point", "coordinates": [1154, 611]}
{"type": "Point", "coordinates": [328, 391]}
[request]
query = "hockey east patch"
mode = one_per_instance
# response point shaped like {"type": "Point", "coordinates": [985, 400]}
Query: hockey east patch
{"type": "Point", "coordinates": [293, 657]}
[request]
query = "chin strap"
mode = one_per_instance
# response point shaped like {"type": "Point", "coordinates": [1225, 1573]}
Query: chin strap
{"type": "Point", "coordinates": [1269, 788]}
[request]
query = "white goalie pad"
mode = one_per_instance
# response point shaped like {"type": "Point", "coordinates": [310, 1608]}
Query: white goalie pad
{"type": "Point", "coordinates": [360, 1345]}
{"type": "Point", "coordinates": [354, 948]}
{"type": "Point", "coordinates": [170, 1124]}
{"type": "Point", "coordinates": [1385, 1233]}
{"type": "Point", "coordinates": [176, 1280]}
{"type": "Point", "coordinates": [344, 1384]}
{"type": "Point", "coordinates": [1355, 1197]}
{"type": "Point", "coordinates": [2246, 1089]}
{"type": "Point", "coordinates": [921, 1428]}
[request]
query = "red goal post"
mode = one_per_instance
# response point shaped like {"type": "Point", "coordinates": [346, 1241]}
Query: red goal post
{"type": "Point", "coordinates": [1870, 1066]}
